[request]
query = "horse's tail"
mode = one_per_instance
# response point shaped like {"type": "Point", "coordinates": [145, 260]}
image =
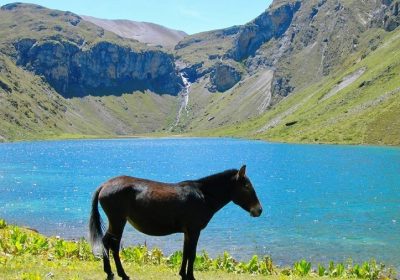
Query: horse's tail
{"type": "Point", "coordinates": [95, 224]}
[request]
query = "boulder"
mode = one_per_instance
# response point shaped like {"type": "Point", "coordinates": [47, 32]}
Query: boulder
{"type": "Point", "coordinates": [223, 77]}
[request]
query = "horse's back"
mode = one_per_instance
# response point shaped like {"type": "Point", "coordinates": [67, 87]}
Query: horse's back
{"type": "Point", "coordinates": [125, 183]}
{"type": "Point", "coordinates": [136, 191]}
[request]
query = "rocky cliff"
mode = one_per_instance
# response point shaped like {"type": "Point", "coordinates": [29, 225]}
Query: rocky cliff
{"type": "Point", "coordinates": [233, 46]}
{"type": "Point", "coordinates": [102, 69]}
{"type": "Point", "coordinates": [271, 24]}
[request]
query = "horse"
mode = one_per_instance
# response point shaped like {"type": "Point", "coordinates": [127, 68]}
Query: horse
{"type": "Point", "coordinates": [159, 209]}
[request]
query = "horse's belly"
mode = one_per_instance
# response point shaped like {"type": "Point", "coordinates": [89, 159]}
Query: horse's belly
{"type": "Point", "coordinates": [155, 228]}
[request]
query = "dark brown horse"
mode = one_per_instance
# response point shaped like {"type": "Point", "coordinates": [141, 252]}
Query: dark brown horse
{"type": "Point", "coordinates": [160, 209]}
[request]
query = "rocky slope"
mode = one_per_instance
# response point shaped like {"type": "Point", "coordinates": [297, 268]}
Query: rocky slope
{"type": "Point", "coordinates": [316, 35]}
{"type": "Point", "coordinates": [145, 32]}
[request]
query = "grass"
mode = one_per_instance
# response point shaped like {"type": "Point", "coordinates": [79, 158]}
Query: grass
{"type": "Point", "coordinates": [25, 254]}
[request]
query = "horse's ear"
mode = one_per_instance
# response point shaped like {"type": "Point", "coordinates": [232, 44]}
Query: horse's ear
{"type": "Point", "coordinates": [242, 171]}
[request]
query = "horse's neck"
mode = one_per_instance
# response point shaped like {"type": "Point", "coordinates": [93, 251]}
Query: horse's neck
{"type": "Point", "coordinates": [217, 190]}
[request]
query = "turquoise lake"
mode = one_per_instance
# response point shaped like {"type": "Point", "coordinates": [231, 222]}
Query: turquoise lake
{"type": "Point", "coordinates": [321, 202]}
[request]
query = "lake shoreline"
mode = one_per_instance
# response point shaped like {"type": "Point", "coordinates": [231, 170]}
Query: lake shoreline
{"type": "Point", "coordinates": [21, 244]}
{"type": "Point", "coordinates": [186, 136]}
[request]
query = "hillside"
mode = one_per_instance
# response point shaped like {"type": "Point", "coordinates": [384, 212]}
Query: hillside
{"type": "Point", "coordinates": [358, 106]}
{"type": "Point", "coordinates": [322, 71]}
{"type": "Point", "coordinates": [293, 52]}
{"type": "Point", "coordinates": [59, 78]}
{"type": "Point", "coordinates": [145, 32]}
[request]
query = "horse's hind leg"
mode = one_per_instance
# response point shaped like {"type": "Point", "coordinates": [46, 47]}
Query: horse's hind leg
{"type": "Point", "coordinates": [115, 231]}
{"type": "Point", "coordinates": [106, 258]}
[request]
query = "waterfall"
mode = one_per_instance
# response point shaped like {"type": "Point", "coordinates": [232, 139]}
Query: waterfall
{"type": "Point", "coordinates": [183, 98]}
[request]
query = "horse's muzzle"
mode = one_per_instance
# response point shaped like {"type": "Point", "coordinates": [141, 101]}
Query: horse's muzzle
{"type": "Point", "coordinates": [256, 211]}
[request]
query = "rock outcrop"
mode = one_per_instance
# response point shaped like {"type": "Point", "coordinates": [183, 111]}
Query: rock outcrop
{"type": "Point", "coordinates": [271, 24]}
{"type": "Point", "coordinates": [223, 77]}
{"type": "Point", "coordinates": [391, 18]}
{"type": "Point", "coordinates": [104, 68]}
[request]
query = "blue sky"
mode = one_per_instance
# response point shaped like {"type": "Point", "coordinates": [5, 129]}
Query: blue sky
{"type": "Point", "coordinates": [188, 15]}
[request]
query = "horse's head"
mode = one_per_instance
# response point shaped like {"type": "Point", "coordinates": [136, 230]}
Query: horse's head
{"type": "Point", "coordinates": [244, 195]}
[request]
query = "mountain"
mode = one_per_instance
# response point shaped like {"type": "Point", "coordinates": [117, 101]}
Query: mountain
{"type": "Point", "coordinates": [61, 75]}
{"type": "Point", "coordinates": [145, 32]}
{"type": "Point", "coordinates": [290, 57]}
{"type": "Point", "coordinates": [324, 71]}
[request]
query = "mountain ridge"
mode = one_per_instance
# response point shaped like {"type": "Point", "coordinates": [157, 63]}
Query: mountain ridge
{"type": "Point", "coordinates": [145, 32]}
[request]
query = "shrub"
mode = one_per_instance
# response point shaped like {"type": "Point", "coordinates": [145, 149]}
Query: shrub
{"type": "Point", "coordinates": [203, 262]}
{"type": "Point", "coordinates": [321, 270]}
{"type": "Point", "coordinates": [336, 271]}
{"type": "Point", "coordinates": [3, 224]}
{"type": "Point", "coordinates": [302, 268]}
{"type": "Point", "coordinates": [175, 259]}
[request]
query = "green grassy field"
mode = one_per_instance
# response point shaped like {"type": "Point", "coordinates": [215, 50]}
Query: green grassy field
{"type": "Point", "coordinates": [27, 255]}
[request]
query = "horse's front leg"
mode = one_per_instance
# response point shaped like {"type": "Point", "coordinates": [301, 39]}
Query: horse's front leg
{"type": "Point", "coordinates": [182, 271]}
{"type": "Point", "coordinates": [191, 253]}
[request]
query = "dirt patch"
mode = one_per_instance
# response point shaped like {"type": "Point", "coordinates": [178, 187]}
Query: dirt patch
{"type": "Point", "coordinates": [348, 80]}
{"type": "Point", "coordinates": [264, 85]}
{"type": "Point", "coordinates": [278, 119]}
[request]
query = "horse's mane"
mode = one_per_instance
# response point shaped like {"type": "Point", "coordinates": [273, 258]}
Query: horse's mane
{"type": "Point", "coordinates": [223, 176]}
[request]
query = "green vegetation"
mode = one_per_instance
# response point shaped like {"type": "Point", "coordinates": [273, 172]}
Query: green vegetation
{"type": "Point", "coordinates": [25, 254]}
{"type": "Point", "coordinates": [302, 268]}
